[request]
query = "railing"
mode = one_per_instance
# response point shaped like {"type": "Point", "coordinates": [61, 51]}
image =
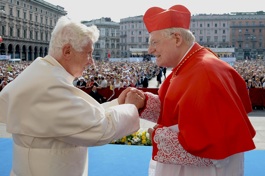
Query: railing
{"type": "Point", "coordinates": [257, 95]}
{"type": "Point", "coordinates": [112, 94]}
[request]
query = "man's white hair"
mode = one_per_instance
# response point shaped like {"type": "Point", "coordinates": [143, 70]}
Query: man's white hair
{"type": "Point", "coordinates": [70, 32]}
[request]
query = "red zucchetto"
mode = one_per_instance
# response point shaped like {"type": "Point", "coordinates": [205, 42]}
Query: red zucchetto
{"type": "Point", "coordinates": [156, 18]}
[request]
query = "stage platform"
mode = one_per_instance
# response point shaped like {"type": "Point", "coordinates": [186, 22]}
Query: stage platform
{"type": "Point", "coordinates": [121, 160]}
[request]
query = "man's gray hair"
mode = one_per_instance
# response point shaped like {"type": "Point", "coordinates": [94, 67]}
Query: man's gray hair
{"type": "Point", "coordinates": [187, 35]}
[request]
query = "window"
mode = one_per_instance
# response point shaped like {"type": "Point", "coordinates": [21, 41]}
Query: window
{"type": "Point", "coordinates": [215, 38]}
{"type": "Point", "coordinates": [223, 38]}
{"type": "Point", "coordinates": [25, 15]}
{"type": "Point", "coordinates": [3, 30]}
{"type": "Point", "coordinates": [18, 33]}
{"type": "Point", "coordinates": [246, 45]}
{"type": "Point", "coordinates": [97, 45]}
{"type": "Point", "coordinates": [11, 11]}
{"type": "Point", "coordinates": [208, 38]}
{"type": "Point", "coordinates": [18, 13]}
{"type": "Point", "coordinates": [2, 7]}
{"type": "Point", "coordinates": [223, 24]}
{"type": "Point", "coordinates": [25, 33]}
{"type": "Point", "coordinates": [36, 35]}
{"type": "Point", "coordinates": [11, 31]}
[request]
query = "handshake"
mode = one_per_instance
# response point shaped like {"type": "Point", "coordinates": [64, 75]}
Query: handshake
{"type": "Point", "coordinates": [132, 96]}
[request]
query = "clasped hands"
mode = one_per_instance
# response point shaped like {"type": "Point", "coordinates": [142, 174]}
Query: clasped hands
{"type": "Point", "coordinates": [132, 96]}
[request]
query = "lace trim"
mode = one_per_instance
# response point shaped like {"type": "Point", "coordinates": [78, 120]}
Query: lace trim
{"type": "Point", "coordinates": [153, 108]}
{"type": "Point", "coordinates": [170, 150]}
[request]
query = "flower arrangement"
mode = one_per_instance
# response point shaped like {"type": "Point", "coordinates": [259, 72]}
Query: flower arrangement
{"type": "Point", "coordinates": [140, 137]}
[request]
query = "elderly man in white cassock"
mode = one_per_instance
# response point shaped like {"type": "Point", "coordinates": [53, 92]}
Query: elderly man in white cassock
{"type": "Point", "coordinates": [52, 122]}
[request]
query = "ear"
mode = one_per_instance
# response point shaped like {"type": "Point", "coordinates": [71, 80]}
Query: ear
{"type": "Point", "coordinates": [178, 38]}
{"type": "Point", "coordinates": [67, 51]}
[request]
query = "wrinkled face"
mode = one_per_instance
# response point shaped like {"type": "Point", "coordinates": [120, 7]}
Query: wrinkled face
{"type": "Point", "coordinates": [80, 60]}
{"type": "Point", "coordinates": [163, 48]}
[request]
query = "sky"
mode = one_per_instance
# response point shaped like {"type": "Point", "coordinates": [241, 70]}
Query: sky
{"type": "Point", "coordinates": [85, 10]}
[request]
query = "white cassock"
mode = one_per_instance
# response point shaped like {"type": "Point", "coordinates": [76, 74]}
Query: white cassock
{"type": "Point", "coordinates": [52, 122]}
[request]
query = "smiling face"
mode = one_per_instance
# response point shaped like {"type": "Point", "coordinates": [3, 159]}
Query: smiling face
{"type": "Point", "coordinates": [166, 48]}
{"type": "Point", "coordinates": [75, 62]}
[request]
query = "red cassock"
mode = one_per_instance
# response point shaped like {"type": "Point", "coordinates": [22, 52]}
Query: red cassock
{"type": "Point", "coordinates": [209, 101]}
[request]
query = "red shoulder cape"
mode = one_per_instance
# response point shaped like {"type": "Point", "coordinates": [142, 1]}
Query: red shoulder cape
{"type": "Point", "coordinates": [209, 101]}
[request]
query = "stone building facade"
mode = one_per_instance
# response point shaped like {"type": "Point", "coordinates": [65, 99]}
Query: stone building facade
{"type": "Point", "coordinates": [26, 26]}
{"type": "Point", "coordinates": [243, 31]}
{"type": "Point", "coordinates": [108, 44]}
{"type": "Point", "coordinates": [133, 37]}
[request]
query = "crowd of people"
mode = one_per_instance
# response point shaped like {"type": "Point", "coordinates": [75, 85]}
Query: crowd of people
{"type": "Point", "coordinates": [133, 74]}
{"type": "Point", "coordinates": [252, 71]}
{"type": "Point", "coordinates": [101, 74]}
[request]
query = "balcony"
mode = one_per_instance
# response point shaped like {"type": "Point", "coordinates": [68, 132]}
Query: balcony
{"type": "Point", "coordinates": [247, 26]}
{"type": "Point", "coordinates": [252, 38]}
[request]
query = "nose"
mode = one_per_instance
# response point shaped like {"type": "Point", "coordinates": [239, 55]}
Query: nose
{"type": "Point", "coordinates": [151, 49]}
{"type": "Point", "coordinates": [91, 60]}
